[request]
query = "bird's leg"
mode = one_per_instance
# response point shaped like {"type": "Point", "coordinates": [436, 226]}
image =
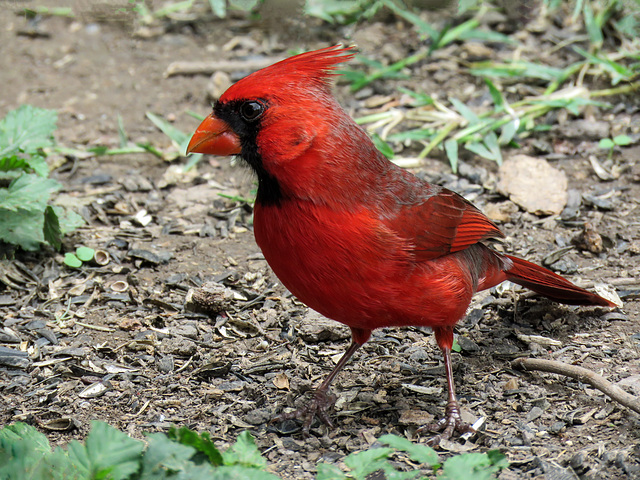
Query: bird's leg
{"type": "Point", "coordinates": [323, 400]}
{"type": "Point", "coordinates": [452, 421]}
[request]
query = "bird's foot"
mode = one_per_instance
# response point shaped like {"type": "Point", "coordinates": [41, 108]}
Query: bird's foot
{"type": "Point", "coordinates": [320, 406]}
{"type": "Point", "coordinates": [450, 424]}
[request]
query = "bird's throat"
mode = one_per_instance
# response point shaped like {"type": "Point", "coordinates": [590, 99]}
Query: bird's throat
{"type": "Point", "coordinates": [269, 191]}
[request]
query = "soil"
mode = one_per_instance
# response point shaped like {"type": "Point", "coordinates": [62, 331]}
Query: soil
{"type": "Point", "coordinates": [115, 342]}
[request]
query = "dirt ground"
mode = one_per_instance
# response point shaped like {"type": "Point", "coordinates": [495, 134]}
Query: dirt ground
{"type": "Point", "coordinates": [115, 343]}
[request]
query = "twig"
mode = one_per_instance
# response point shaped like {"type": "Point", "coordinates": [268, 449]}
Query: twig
{"type": "Point", "coordinates": [95, 327]}
{"type": "Point", "coordinates": [207, 68]}
{"type": "Point", "coordinates": [582, 375]}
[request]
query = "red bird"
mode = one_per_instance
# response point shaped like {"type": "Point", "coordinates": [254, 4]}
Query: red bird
{"type": "Point", "coordinates": [355, 237]}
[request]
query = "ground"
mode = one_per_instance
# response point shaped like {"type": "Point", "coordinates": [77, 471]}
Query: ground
{"type": "Point", "coordinates": [115, 343]}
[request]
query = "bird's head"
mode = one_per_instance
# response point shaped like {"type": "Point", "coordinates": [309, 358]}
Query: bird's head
{"type": "Point", "coordinates": [272, 117]}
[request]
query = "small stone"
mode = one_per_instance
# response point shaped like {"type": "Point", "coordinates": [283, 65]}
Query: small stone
{"type": "Point", "coordinates": [188, 330]}
{"type": "Point", "coordinates": [165, 364]}
{"type": "Point", "coordinates": [577, 461]}
{"type": "Point", "coordinates": [314, 328]}
{"type": "Point", "coordinates": [233, 386]}
{"type": "Point", "coordinates": [585, 129]}
{"type": "Point", "coordinates": [290, 444]}
{"type": "Point", "coordinates": [258, 416]}
{"type": "Point", "coordinates": [415, 417]}
{"type": "Point", "coordinates": [218, 84]}
{"type": "Point", "coordinates": [467, 345]}
{"type": "Point", "coordinates": [534, 414]}
{"type": "Point", "coordinates": [533, 184]}
{"type": "Point", "coordinates": [557, 427]}
{"type": "Point", "coordinates": [178, 346]}
{"type": "Point", "coordinates": [418, 354]}
{"type": "Point", "coordinates": [211, 299]}
{"type": "Point", "coordinates": [511, 384]}
{"type": "Point", "coordinates": [501, 212]}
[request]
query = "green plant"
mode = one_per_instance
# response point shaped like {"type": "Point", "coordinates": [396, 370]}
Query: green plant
{"type": "Point", "coordinates": [184, 454]}
{"type": "Point", "coordinates": [82, 254]}
{"type": "Point", "coordinates": [27, 219]}
{"type": "Point", "coordinates": [477, 466]}
{"type": "Point", "coordinates": [108, 453]}
{"type": "Point", "coordinates": [611, 143]}
{"type": "Point", "coordinates": [453, 125]}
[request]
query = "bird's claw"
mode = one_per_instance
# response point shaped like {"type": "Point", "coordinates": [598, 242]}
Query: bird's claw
{"type": "Point", "coordinates": [320, 406]}
{"type": "Point", "coordinates": [450, 424]}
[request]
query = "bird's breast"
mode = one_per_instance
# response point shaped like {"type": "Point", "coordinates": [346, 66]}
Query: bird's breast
{"type": "Point", "coordinates": [347, 266]}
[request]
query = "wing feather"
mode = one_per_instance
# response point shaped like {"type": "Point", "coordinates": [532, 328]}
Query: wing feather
{"type": "Point", "coordinates": [442, 222]}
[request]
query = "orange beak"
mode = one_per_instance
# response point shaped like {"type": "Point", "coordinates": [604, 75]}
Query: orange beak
{"type": "Point", "coordinates": [214, 137]}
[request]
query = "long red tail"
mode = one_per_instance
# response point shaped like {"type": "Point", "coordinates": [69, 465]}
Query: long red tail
{"type": "Point", "coordinates": [552, 286]}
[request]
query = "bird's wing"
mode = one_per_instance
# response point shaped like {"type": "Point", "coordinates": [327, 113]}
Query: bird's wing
{"type": "Point", "coordinates": [442, 222]}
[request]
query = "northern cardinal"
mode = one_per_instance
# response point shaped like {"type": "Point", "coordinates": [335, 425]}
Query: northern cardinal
{"type": "Point", "coordinates": [348, 232]}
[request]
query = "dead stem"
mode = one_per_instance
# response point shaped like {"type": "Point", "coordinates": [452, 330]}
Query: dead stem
{"type": "Point", "coordinates": [583, 375]}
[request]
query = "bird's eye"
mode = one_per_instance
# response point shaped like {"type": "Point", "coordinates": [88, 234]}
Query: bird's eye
{"type": "Point", "coordinates": [251, 111]}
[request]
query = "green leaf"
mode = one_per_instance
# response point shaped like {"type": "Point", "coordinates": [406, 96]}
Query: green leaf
{"type": "Point", "coordinates": [327, 471]}
{"type": "Point", "coordinates": [13, 162]}
{"type": "Point", "coordinates": [35, 163]}
{"type": "Point", "coordinates": [122, 134]}
{"type": "Point", "coordinates": [496, 95]}
{"type": "Point", "coordinates": [465, 111]}
{"type": "Point", "coordinates": [366, 462]}
{"type": "Point", "coordinates": [39, 165]}
{"type": "Point", "coordinates": [244, 452]}
{"type": "Point", "coordinates": [622, 140]}
{"type": "Point", "coordinates": [417, 452]}
{"type": "Point", "coordinates": [51, 229]}
{"type": "Point", "coordinates": [479, 149]}
{"type": "Point", "coordinates": [201, 442]}
{"type": "Point", "coordinates": [22, 227]}
{"type": "Point", "coordinates": [451, 149]}
{"type": "Point", "coordinates": [244, 5]}
{"type": "Point", "coordinates": [390, 71]}
{"type": "Point", "coordinates": [78, 457]}
{"type": "Point", "coordinates": [163, 456]}
{"type": "Point", "coordinates": [456, 346]}
{"type": "Point", "coordinates": [491, 141]}
{"type": "Point", "coordinates": [486, 36]}
{"type": "Point", "coordinates": [508, 131]}
{"type": "Point", "coordinates": [111, 453]}
{"type": "Point", "coordinates": [457, 32]}
{"type": "Point", "coordinates": [383, 146]}
{"type": "Point", "coordinates": [593, 29]}
{"type": "Point", "coordinates": [416, 135]}
{"type": "Point", "coordinates": [28, 192]}
{"type": "Point", "coordinates": [218, 7]}
{"type": "Point", "coordinates": [517, 69]}
{"type": "Point", "coordinates": [27, 129]}
{"type": "Point", "coordinates": [70, 260]}
{"type": "Point", "coordinates": [423, 28]}
{"type": "Point", "coordinates": [235, 472]}
{"type": "Point", "coordinates": [68, 219]}
{"type": "Point", "coordinates": [179, 138]}
{"type": "Point", "coordinates": [497, 458]}
{"type": "Point", "coordinates": [22, 450]}
{"type": "Point", "coordinates": [421, 98]}
{"type": "Point", "coordinates": [85, 254]}
{"type": "Point", "coordinates": [464, 5]}
{"type": "Point", "coordinates": [478, 466]}
{"type": "Point", "coordinates": [617, 71]}
{"type": "Point", "coordinates": [606, 143]}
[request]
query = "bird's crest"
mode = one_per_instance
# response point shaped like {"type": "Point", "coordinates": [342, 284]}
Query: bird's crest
{"type": "Point", "coordinates": [310, 69]}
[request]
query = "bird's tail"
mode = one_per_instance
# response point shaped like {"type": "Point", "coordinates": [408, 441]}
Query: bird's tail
{"type": "Point", "coordinates": [547, 283]}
